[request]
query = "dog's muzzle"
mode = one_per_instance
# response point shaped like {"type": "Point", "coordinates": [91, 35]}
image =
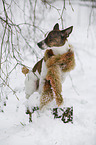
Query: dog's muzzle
{"type": "Point", "coordinates": [42, 45]}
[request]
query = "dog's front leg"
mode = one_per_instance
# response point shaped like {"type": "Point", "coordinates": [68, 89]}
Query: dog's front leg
{"type": "Point", "coordinates": [54, 75]}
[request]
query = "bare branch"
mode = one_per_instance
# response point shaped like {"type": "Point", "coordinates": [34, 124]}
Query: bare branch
{"type": "Point", "coordinates": [10, 88]}
{"type": "Point", "coordinates": [71, 6]}
{"type": "Point", "coordinates": [73, 85]}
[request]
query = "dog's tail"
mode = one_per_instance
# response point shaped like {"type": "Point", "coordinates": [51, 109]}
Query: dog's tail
{"type": "Point", "coordinates": [25, 70]}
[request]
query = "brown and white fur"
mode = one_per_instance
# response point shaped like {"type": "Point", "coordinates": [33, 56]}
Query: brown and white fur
{"type": "Point", "coordinates": [49, 73]}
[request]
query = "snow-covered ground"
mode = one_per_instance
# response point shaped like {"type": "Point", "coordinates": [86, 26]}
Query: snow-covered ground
{"type": "Point", "coordinates": [79, 91]}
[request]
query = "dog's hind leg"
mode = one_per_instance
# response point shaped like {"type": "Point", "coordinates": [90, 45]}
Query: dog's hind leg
{"type": "Point", "coordinates": [47, 94]}
{"type": "Point", "coordinates": [31, 84]}
{"type": "Point", "coordinates": [54, 75]}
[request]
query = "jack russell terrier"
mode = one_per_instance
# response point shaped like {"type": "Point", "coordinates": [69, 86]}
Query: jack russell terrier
{"type": "Point", "coordinates": [49, 73]}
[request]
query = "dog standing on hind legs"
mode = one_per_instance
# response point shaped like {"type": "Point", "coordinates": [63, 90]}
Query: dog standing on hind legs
{"type": "Point", "coordinates": [48, 74]}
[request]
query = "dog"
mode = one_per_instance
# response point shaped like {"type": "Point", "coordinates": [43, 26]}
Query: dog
{"type": "Point", "coordinates": [49, 73]}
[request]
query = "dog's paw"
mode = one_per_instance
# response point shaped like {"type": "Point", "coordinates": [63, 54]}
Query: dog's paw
{"type": "Point", "coordinates": [59, 100]}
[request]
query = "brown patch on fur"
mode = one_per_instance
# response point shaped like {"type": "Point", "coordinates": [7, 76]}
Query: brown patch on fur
{"type": "Point", "coordinates": [48, 54]}
{"type": "Point", "coordinates": [47, 94]}
{"type": "Point", "coordinates": [37, 84]}
{"type": "Point", "coordinates": [70, 62]}
{"type": "Point", "coordinates": [66, 61]}
{"type": "Point", "coordinates": [25, 70]}
{"type": "Point", "coordinates": [38, 66]}
{"type": "Point", "coordinates": [54, 75]}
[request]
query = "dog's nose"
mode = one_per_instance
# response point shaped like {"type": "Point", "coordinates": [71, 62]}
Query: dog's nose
{"type": "Point", "coordinates": [40, 45]}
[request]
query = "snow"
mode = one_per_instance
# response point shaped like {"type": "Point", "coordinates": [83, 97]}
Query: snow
{"type": "Point", "coordinates": [79, 91]}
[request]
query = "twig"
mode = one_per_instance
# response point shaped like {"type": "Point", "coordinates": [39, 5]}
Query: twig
{"type": "Point", "coordinates": [3, 1]}
{"type": "Point", "coordinates": [10, 88]}
{"type": "Point", "coordinates": [73, 85]}
{"type": "Point", "coordinates": [34, 17]}
{"type": "Point", "coordinates": [19, 7]}
{"type": "Point", "coordinates": [31, 25]}
{"type": "Point", "coordinates": [89, 20]}
{"type": "Point", "coordinates": [54, 7]}
{"type": "Point", "coordinates": [79, 61]}
{"type": "Point", "coordinates": [12, 69]}
{"type": "Point", "coordinates": [61, 16]}
{"type": "Point", "coordinates": [2, 46]}
{"type": "Point", "coordinates": [71, 6]}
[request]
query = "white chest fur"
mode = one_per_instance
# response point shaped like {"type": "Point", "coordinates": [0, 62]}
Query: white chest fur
{"type": "Point", "coordinates": [61, 50]}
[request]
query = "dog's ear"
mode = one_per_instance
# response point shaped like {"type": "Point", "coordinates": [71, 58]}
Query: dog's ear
{"type": "Point", "coordinates": [56, 27]}
{"type": "Point", "coordinates": [66, 32]}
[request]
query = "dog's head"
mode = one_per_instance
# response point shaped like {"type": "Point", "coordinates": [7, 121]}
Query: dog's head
{"type": "Point", "coordinates": [56, 37]}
